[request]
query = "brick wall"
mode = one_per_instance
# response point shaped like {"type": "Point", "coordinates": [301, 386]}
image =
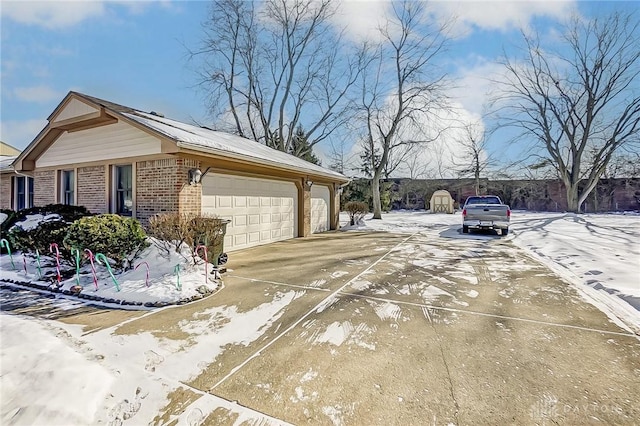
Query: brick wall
{"type": "Point", "coordinates": [190, 196]}
{"type": "Point", "coordinates": [44, 187]}
{"type": "Point", "coordinates": [162, 187]}
{"type": "Point", "coordinates": [5, 190]}
{"type": "Point", "coordinates": [91, 190]}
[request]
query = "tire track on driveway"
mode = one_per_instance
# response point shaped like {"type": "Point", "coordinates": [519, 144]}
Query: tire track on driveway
{"type": "Point", "coordinates": [320, 306]}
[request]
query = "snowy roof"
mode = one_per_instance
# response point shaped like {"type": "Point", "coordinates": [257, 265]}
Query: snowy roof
{"type": "Point", "coordinates": [207, 140]}
{"type": "Point", "coordinates": [5, 163]}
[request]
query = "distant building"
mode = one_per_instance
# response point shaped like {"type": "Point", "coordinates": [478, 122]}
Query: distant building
{"type": "Point", "coordinates": [7, 150]}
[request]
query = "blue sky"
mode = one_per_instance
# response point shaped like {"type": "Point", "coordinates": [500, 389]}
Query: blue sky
{"type": "Point", "coordinates": [135, 53]}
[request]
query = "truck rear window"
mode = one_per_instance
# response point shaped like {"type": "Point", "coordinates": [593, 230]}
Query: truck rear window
{"type": "Point", "coordinates": [483, 200]}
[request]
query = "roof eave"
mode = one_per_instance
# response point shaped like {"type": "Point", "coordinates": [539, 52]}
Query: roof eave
{"type": "Point", "coordinates": [272, 164]}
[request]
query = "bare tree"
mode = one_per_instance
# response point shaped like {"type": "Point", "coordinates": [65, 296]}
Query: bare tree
{"type": "Point", "coordinates": [269, 67]}
{"type": "Point", "coordinates": [474, 159]}
{"type": "Point", "coordinates": [579, 102]}
{"type": "Point", "coordinates": [401, 87]}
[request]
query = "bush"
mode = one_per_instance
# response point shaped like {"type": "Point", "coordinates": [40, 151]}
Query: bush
{"type": "Point", "coordinates": [173, 229]}
{"type": "Point", "coordinates": [119, 238]}
{"type": "Point", "coordinates": [51, 228]}
{"type": "Point", "coordinates": [7, 223]}
{"type": "Point", "coordinates": [357, 210]}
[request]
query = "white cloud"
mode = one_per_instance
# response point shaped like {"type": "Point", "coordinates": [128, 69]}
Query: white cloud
{"type": "Point", "coordinates": [499, 15]}
{"type": "Point", "coordinates": [59, 14]}
{"type": "Point", "coordinates": [362, 18]}
{"type": "Point", "coordinates": [38, 94]}
{"type": "Point", "coordinates": [438, 159]}
{"type": "Point", "coordinates": [475, 83]}
{"type": "Point", "coordinates": [20, 133]}
{"type": "Point", "coordinates": [52, 14]}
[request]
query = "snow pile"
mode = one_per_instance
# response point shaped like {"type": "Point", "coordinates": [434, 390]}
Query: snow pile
{"type": "Point", "coordinates": [28, 353]}
{"type": "Point", "coordinates": [3, 217]}
{"type": "Point", "coordinates": [32, 221]}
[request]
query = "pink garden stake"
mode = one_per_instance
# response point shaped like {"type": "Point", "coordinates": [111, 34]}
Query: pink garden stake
{"type": "Point", "coordinates": [147, 265]}
{"type": "Point", "coordinates": [93, 268]}
{"type": "Point", "coordinates": [51, 247]}
{"type": "Point", "coordinates": [206, 260]}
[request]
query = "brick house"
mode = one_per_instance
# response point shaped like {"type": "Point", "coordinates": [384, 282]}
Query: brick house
{"type": "Point", "coordinates": [114, 159]}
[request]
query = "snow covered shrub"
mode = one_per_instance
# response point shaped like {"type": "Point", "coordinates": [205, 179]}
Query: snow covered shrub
{"type": "Point", "coordinates": [37, 227]}
{"type": "Point", "coordinates": [7, 219]}
{"type": "Point", "coordinates": [172, 230]}
{"type": "Point", "coordinates": [357, 210]}
{"type": "Point", "coordinates": [119, 238]}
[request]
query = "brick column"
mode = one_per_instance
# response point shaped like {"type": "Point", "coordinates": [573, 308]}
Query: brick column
{"type": "Point", "coordinates": [189, 196]}
{"type": "Point", "coordinates": [44, 187]}
{"type": "Point", "coordinates": [306, 212]}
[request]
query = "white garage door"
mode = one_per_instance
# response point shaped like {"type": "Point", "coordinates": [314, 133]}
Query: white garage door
{"type": "Point", "coordinates": [260, 210]}
{"type": "Point", "coordinates": [319, 208]}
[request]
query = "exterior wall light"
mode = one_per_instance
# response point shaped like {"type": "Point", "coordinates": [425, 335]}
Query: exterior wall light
{"type": "Point", "coordinates": [194, 176]}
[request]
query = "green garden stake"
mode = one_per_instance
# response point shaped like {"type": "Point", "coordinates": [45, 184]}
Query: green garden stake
{"type": "Point", "coordinates": [4, 243]}
{"type": "Point", "coordinates": [77, 253]}
{"type": "Point", "coordinates": [106, 262]}
{"type": "Point", "coordinates": [38, 263]}
{"type": "Point", "coordinates": [177, 271]}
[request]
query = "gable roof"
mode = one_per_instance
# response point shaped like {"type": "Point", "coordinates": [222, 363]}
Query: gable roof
{"type": "Point", "coordinates": [187, 137]}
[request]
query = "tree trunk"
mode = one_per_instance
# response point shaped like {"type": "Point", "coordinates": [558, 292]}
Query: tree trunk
{"type": "Point", "coordinates": [375, 194]}
{"type": "Point", "coordinates": [573, 201]}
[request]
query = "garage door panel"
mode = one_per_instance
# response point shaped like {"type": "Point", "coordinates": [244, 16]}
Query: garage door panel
{"type": "Point", "coordinates": [240, 239]}
{"type": "Point", "coordinates": [260, 210]}
{"type": "Point", "coordinates": [320, 204]}
{"type": "Point", "coordinates": [224, 201]}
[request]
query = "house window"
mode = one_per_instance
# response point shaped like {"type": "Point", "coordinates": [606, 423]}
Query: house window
{"type": "Point", "coordinates": [123, 190]}
{"type": "Point", "coordinates": [22, 192]}
{"type": "Point", "coordinates": [67, 187]}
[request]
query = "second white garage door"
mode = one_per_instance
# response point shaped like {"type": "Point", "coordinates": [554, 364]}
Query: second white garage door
{"type": "Point", "coordinates": [261, 211]}
{"type": "Point", "coordinates": [320, 203]}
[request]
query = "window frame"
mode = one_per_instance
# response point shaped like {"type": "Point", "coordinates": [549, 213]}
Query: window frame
{"type": "Point", "coordinates": [115, 191]}
{"type": "Point", "coordinates": [22, 200]}
{"type": "Point", "coordinates": [63, 191]}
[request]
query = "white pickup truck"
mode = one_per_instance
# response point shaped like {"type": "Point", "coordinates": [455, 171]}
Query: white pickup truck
{"type": "Point", "coordinates": [485, 212]}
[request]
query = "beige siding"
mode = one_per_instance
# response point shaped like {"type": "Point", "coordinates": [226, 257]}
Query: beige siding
{"type": "Point", "coordinates": [75, 108]}
{"type": "Point", "coordinates": [110, 142]}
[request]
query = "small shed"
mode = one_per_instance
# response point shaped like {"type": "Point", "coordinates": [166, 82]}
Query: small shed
{"type": "Point", "coordinates": [441, 202]}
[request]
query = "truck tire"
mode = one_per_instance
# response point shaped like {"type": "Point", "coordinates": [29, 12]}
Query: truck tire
{"type": "Point", "coordinates": [505, 231]}
{"type": "Point", "coordinates": [465, 229]}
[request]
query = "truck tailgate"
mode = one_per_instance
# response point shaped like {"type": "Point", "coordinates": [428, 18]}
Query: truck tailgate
{"type": "Point", "coordinates": [487, 213]}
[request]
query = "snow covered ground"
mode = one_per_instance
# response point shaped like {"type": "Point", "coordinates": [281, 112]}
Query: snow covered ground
{"type": "Point", "coordinates": [67, 383]}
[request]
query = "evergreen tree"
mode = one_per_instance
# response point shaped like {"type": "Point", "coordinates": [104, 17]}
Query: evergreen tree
{"type": "Point", "coordinates": [301, 148]}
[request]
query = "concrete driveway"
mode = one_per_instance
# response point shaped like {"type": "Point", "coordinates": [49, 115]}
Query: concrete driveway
{"type": "Point", "coordinates": [399, 329]}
